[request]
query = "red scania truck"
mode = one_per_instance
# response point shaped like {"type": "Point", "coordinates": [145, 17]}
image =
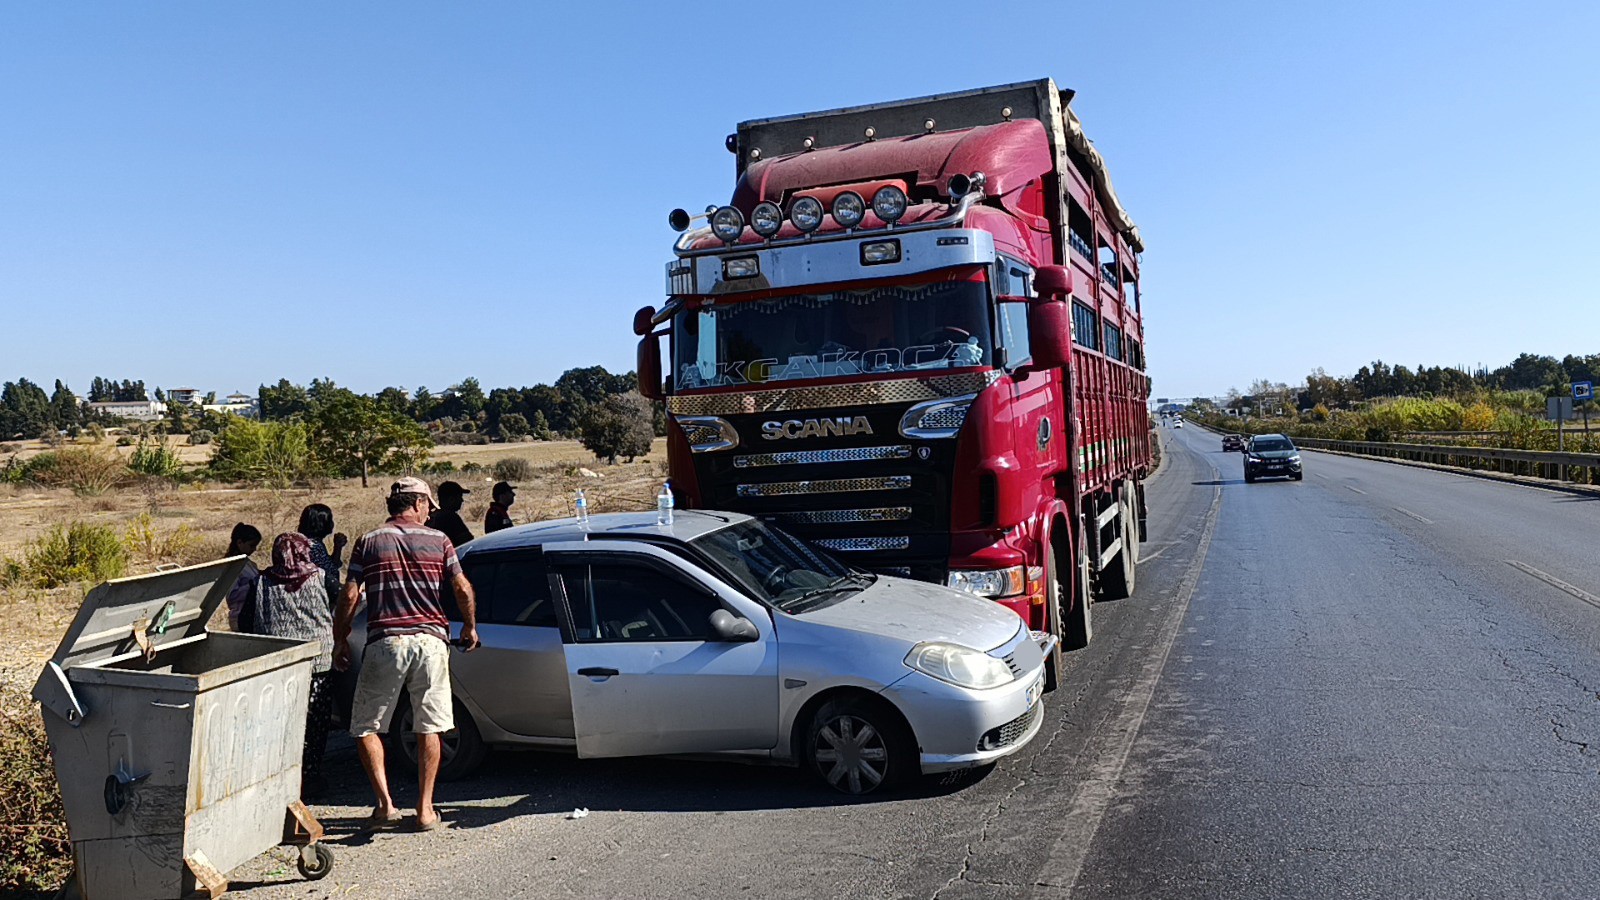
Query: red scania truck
{"type": "Point", "coordinates": [914, 336]}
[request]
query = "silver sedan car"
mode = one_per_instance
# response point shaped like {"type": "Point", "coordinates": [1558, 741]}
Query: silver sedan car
{"type": "Point", "coordinates": [719, 634]}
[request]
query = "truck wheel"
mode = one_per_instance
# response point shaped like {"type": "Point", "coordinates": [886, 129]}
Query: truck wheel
{"type": "Point", "coordinates": [1058, 623]}
{"type": "Point", "coordinates": [1118, 580]}
{"type": "Point", "coordinates": [1079, 621]}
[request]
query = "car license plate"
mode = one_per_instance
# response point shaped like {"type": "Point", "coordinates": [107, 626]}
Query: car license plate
{"type": "Point", "coordinates": [1034, 691]}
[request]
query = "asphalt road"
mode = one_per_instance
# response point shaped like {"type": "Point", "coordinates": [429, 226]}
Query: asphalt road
{"type": "Point", "coordinates": [1379, 682]}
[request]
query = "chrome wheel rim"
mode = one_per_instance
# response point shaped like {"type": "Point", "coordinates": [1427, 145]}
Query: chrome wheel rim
{"type": "Point", "coordinates": [851, 754]}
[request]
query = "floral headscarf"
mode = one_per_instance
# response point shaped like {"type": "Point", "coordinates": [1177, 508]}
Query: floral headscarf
{"type": "Point", "coordinates": [291, 561]}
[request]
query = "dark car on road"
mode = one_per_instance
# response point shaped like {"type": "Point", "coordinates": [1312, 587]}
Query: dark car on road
{"type": "Point", "coordinates": [1232, 443]}
{"type": "Point", "coordinates": [1271, 456]}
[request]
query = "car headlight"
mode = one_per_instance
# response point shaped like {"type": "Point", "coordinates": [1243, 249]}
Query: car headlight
{"type": "Point", "coordinates": [961, 666]}
{"type": "Point", "coordinates": [1295, 458]}
{"type": "Point", "coordinates": [989, 583]}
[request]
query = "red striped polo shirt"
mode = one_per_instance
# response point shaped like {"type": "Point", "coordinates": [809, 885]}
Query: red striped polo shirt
{"type": "Point", "coordinates": [404, 569]}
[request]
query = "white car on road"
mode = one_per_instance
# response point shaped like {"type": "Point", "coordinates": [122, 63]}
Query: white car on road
{"type": "Point", "coordinates": [719, 634]}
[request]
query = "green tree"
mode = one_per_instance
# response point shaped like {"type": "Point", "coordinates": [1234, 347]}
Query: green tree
{"type": "Point", "coordinates": [25, 410]}
{"type": "Point", "coordinates": [64, 407]}
{"type": "Point", "coordinates": [283, 400]}
{"type": "Point", "coordinates": [619, 425]}
{"type": "Point", "coordinates": [353, 435]}
{"type": "Point", "coordinates": [513, 426]}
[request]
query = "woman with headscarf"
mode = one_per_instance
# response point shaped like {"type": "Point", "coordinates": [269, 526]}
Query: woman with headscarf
{"type": "Point", "coordinates": [292, 602]}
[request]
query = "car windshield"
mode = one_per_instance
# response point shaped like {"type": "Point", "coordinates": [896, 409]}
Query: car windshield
{"type": "Point", "coordinates": [1270, 446]}
{"type": "Point", "coordinates": [778, 568]}
{"type": "Point", "coordinates": [885, 329]}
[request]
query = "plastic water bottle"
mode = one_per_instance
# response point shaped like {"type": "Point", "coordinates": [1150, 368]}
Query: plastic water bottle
{"type": "Point", "coordinates": [664, 505]}
{"type": "Point", "coordinates": [582, 504]}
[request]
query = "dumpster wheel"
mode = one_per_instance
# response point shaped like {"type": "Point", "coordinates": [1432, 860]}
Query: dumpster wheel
{"type": "Point", "coordinates": [316, 861]}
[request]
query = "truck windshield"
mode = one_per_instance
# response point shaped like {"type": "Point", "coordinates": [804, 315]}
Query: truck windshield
{"type": "Point", "coordinates": [910, 328]}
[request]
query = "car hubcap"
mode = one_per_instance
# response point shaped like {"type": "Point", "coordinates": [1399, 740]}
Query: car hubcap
{"type": "Point", "coordinates": [851, 754]}
{"type": "Point", "coordinates": [449, 742]}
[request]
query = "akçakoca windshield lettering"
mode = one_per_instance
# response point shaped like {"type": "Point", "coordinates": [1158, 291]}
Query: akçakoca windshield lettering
{"type": "Point", "coordinates": [883, 330]}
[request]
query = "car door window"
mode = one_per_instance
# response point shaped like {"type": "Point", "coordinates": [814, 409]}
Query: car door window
{"type": "Point", "coordinates": [630, 601]}
{"type": "Point", "coordinates": [512, 591]}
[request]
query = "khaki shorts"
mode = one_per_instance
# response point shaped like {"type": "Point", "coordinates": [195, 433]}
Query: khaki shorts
{"type": "Point", "coordinates": [420, 663]}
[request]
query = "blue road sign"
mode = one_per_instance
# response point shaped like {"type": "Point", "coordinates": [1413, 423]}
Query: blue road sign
{"type": "Point", "coordinates": [1583, 390]}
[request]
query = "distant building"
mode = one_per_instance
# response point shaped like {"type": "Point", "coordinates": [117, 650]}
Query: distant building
{"type": "Point", "coordinates": [142, 410]}
{"type": "Point", "coordinates": [186, 396]}
{"type": "Point", "coordinates": [237, 405]}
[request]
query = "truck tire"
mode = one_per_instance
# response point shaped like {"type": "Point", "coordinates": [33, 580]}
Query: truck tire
{"type": "Point", "coordinates": [1054, 597]}
{"type": "Point", "coordinates": [1079, 622]}
{"type": "Point", "coordinates": [1118, 580]}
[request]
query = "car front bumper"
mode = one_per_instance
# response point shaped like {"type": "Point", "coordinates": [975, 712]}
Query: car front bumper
{"type": "Point", "coordinates": [958, 728]}
{"type": "Point", "coordinates": [1272, 469]}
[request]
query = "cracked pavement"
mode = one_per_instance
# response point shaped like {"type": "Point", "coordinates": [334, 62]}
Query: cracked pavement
{"type": "Point", "coordinates": [1356, 703]}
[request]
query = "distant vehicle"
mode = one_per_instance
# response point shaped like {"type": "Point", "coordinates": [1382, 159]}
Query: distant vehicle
{"type": "Point", "coordinates": [1271, 456]}
{"type": "Point", "coordinates": [1232, 443]}
{"type": "Point", "coordinates": [1177, 423]}
{"type": "Point", "coordinates": [719, 634]}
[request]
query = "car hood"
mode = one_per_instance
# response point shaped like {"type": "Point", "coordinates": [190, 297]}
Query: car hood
{"type": "Point", "coordinates": [915, 611]}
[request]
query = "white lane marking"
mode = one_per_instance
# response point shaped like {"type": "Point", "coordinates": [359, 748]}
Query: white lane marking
{"type": "Point", "coordinates": [1406, 512]}
{"type": "Point", "coordinates": [1556, 583]}
{"type": "Point", "coordinates": [1356, 489]}
{"type": "Point", "coordinates": [1110, 747]}
{"type": "Point", "coordinates": [1320, 475]}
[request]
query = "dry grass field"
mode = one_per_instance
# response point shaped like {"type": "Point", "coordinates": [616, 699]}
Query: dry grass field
{"type": "Point", "coordinates": [190, 524]}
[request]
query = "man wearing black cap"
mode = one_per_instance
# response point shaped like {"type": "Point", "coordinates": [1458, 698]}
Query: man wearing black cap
{"type": "Point", "coordinates": [498, 516]}
{"type": "Point", "coordinates": [446, 517]}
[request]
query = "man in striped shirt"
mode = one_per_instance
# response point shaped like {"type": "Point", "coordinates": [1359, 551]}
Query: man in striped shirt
{"type": "Point", "coordinates": [404, 566]}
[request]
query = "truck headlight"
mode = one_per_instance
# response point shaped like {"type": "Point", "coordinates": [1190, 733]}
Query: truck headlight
{"type": "Point", "coordinates": [889, 203]}
{"type": "Point", "coordinates": [766, 218]}
{"type": "Point", "coordinates": [958, 665]}
{"type": "Point", "coordinates": [849, 209]}
{"type": "Point", "coordinates": [806, 214]}
{"type": "Point", "coordinates": [727, 224]}
{"type": "Point", "coordinates": [989, 583]}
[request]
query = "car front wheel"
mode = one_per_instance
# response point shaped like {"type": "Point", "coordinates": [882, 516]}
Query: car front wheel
{"type": "Point", "coordinates": [858, 747]}
{"type": "Point", "coordinates": [461, 750]}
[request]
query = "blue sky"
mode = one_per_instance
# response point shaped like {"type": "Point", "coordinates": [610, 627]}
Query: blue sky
{"type": "Point", "coordinates": [220, 194]}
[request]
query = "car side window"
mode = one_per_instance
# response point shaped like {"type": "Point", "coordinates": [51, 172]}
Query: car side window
{"type": "Point", "coordinates": [512, 591]}
{"type": "Point", "coordinates": [629, 601]}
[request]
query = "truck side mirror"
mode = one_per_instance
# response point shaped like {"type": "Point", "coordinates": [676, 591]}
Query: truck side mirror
{"type": "Point", "coordinates": [644, 321]}
{"type": "Point", "coordinates": [649, 367]}
{"type": "Point", "coordinates": [1053, 282]}
{"type": "Point", "coordinates": [1050, 332]}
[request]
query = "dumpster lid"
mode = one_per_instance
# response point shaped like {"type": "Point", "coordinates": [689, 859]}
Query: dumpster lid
{"type": "Point", "coordinates": [118, 617]}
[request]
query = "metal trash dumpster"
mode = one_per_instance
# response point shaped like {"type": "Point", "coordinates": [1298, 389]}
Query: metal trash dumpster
{"type": "Point", "coordinates": [178, 750]}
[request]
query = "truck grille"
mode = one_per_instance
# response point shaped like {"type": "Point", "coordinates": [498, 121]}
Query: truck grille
{"type": "Point", "coordinates": [857, 544]}
{"type": "Point", "coordinates": [1010, 732]}
{"type": "Point", "coordinates": [826, 486]}
{"type": "Point", "coordinates": [807, 457]}
{"type": "Point", "coordinates": [845, 516]}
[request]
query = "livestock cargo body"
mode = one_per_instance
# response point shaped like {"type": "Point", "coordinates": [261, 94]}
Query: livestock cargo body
{"type": "Point", "coordinates": [914, 336]}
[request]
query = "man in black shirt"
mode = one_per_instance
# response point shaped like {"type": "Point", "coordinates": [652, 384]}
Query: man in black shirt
{"type": "Point", "coordinates": [499, 515]}
{"type": "Point", "coordinates": [446, 517]}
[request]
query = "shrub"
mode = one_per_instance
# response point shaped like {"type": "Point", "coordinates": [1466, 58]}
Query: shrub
{"type": "Point", "coordinates": [513, 426]}
{"type": "Point", "coordinates": [437, 467]}
{"type": "Point", "coordinates": [78, 552]}
{"type": "Point", "coordinates": [471, 468]}
{"type": "Point", "coordinates": [273, 453]}
{"type": "Point", "coordinates": [142, 538]}
{"type": "Point", "coordinates": [513, 468]}
{"type": "Point", "coordinates": [35, 854]}
{"type": "Point", "coordinates": [10, 448]}
{"type": "Point", "coordinates": [156, 460]}
{"type": "Point", "coordinates": [124, 441]}
{"type": "Point", "coordinates": [200, 437]}
{"type": "Point", "coordinates": [86, 471]}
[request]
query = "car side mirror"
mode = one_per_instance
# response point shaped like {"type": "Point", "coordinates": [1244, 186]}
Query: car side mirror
{"type": "Point", "coordinates": [730, 627]}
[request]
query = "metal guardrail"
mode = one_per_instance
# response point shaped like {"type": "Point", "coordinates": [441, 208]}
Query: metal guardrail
{"type": "Point", "coordinates": [1576, 468]}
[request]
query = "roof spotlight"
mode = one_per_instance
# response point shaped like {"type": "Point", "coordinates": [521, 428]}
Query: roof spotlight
{"type": "Point", "coordinates": [766, 218]}
{"type": "Point", "coordinates": [889, 203]}
{"type": "Point", "coordinates": [727, 224]}
{"type": "Point", "coordinates": [806, 214]}
{"type": "Point", "coordinates": [849, 209]}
